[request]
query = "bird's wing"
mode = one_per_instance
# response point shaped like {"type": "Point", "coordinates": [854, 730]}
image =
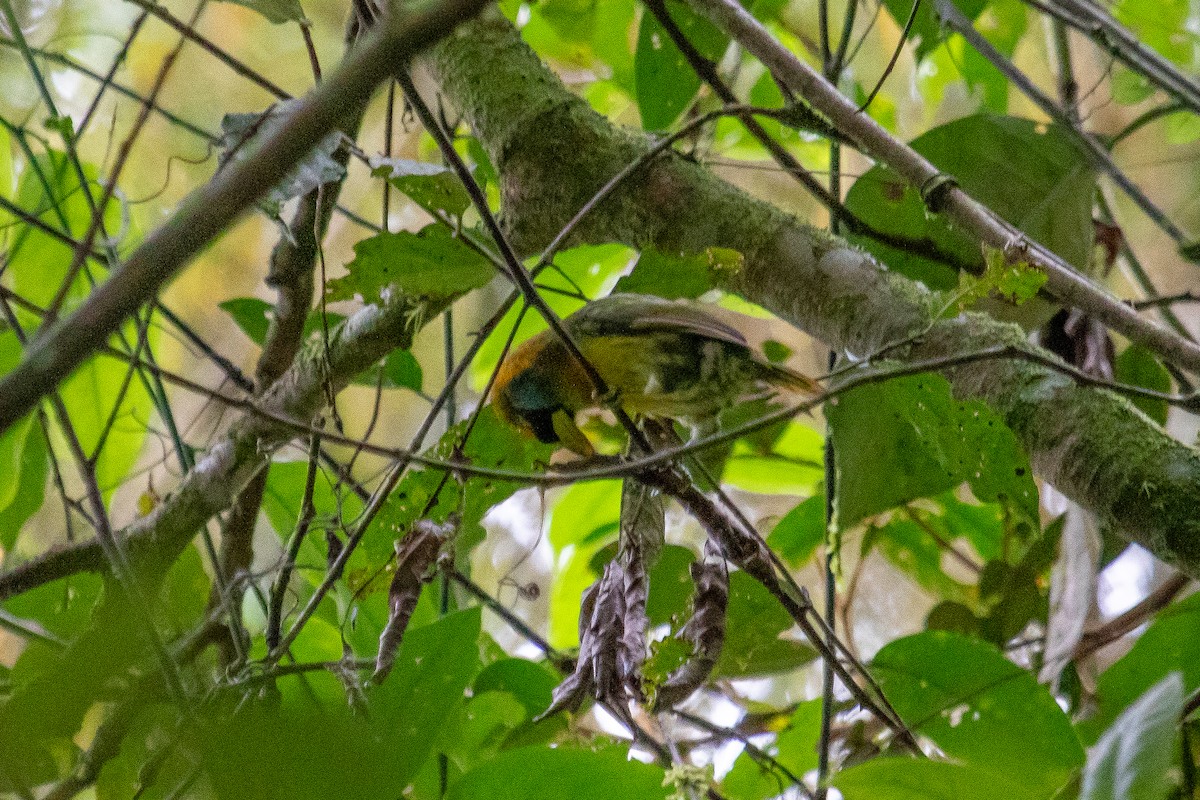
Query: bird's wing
{"type": "Point", "coordinates": [680, 317]}
{"type": "Point", "coordinates": [622, 314]}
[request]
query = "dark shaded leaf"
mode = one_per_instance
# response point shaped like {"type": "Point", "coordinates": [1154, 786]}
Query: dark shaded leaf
{"type": "Point", "coordinates": [430, 263]}
{"type": "Point", "coordinates": [666, 83]}
{"type": "Point", "coordinates": [908, 438]}
{"type": "Point", "coordinates": [431, 186]}
{"type": "Point", "coordinates": [1033, 175]}
{"type": "Point", "coordinates": [277, 11]}
{"type": "Point", "coordinates": [980, 708]}
{"type": "Point", "coordinates": [1137, 366]}
{"type": "Point", "coordinates": [1169, 645]}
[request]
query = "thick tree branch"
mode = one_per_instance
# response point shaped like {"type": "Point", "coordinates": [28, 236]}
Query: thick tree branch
{"type": "Point", "coordinates": [553, 152]}
{"type": "Point", "coordinates": [234, 190]}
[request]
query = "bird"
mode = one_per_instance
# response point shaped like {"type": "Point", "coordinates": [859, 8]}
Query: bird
{"type": "Point", "coordinates": [662, 359]}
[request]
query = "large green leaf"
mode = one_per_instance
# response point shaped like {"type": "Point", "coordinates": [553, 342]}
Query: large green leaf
{"type": "Point", "coordinates": [302, 751]}
{"type": "Point", "coordinates": [89, 394]}
{"type": "Point", "coordinates": [796, 537]}
{"type": "Point", "coordinates": [1137, 366]}
{"type": "Point", "coordinates": [980, 708]}
{"type": "Point", "coordinates": [927, 30]}
{"type": "Point", "coordinates": [666, 83]}
{"type": "Point", "coordinates": [584, 520]}
{"type": "Point", "coordinates": [49, 190]}
{"type": "Point", "coordinates": [562, 773]}
{"type": "Point", "coordinates": [584, 33]}
{"type": "Point", "coordinates": [908, 779]}
{"type": "Point", "coordinates": [908, 438]}
{"type": "Point", "coordinates": [1163, 25]}
{"type": "Point", "coordinates": [27, 478]}
{"type": "Point", "coordinates": [1133, 759]}
{"type": "Point", "coordinates": [754, 621]}
{"type": "Point", "coordinates": [1031, 174]}
{"type": "Point", "coordinates": [431, 186]}
{"type": "Point", "coordinates": [430, 263]}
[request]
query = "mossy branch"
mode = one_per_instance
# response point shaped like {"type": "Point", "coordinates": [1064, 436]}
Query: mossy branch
{"type": "Point", "coordinates": [553, 153]}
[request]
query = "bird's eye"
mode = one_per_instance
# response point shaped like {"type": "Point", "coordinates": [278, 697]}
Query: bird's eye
{"type": "Point", "coordinates": [541, 422]}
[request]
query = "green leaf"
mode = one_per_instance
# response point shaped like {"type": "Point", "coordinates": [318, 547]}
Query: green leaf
{"type": "Point", "coordinates": [284, 495]}
{"type": "Point", "coordinates": [794, 748]}
{"type": "Point", "coordinates": [89, 394]}
{"type": "Point", "coordinates": [670, 586]}
{"type": "Point", "coordinates": [242, 135]}
{"type": "Point", "coordinates": [792, 464]}
{"type": "Point", "coordinates": [302, 751]}
{"type": "Point", "coordinates": [49, 190]}
{"type": "Point", "coordinates": [753, 622]}
{"type": "Point", "coordinates": [252, 315]}
{"type": "Point", "coordinates": [1163, 25]}
{"type": "Point", "coordinates": [801, 531]}
{"type": "Point", "coordinates": [953, 617]}
{"type": "Point", "coordinates": [400, 370]}
{"type": "Point", "coordinates": [531, 684]}
{"type": "Point", "coordinates": [277, 11]}
{"type": "Point", "coordinates": [584, 509]}
{"type": "Point", "coordinates": [431, 186]}
{"type": "Point", "coordinates": [1137, 366]}
{"type": "Point", "coordinates": [1007, 21]}
{"type": "Point", "coordinates": [980, 709]}
{"type": "Point", "coordinates": [1134, 758]}
{"type": "Point", "coordinates": [53, 687]}
{"type": "Point", "coordinates": [908, 438]}
{"type": "Point", "coordinates": [1033, 175]}
{"type": "Point", "coordinates": [125, 775]}
{"type": "Point", "coordinates": [1169, 645]}
{"type": "Point", "coordinates": [908, 779]}
{"type": "Point", "coordinates": [1014, 598]}
{"type": "Point", "coordinates": [669, 275]}
{"type": "Point", "coordinates": [562, 773]}
{"type": "Point", "coordinates": [480, 728]}
{"type": "Point", "coordinates": [1015, 282]}
{"type": "Point", "coordinates": [584, 33]}
{"type": "Point", "coordinates": [430, 263]}
{"type": "Point", "coordinates": [927, 31]}
{"type": "Point", "coordinates": [30, 468]}
{"type": "Point", "coordinates": [666, 83]}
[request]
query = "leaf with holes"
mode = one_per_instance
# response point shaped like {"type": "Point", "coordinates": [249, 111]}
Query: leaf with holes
{"type": "Point", "coordinates": [430, 263]}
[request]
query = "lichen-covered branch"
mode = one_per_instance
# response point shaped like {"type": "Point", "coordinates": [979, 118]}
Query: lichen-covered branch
{"type": "Point", "coordinates": [553, 153]}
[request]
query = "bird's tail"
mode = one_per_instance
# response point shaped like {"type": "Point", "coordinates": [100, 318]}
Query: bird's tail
{"type": "Point", "coordinates": [785, 378]}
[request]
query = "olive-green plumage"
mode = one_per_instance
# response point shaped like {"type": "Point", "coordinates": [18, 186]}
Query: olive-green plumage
{"type": "Point", "coordinates": [661, 358]}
